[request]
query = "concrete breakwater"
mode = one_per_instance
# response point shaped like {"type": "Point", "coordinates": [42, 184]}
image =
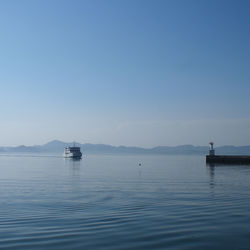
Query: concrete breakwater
{"type": "Point", "coordinates": [228, 159]}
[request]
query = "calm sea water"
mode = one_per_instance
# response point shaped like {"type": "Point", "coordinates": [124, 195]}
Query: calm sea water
{"type": "Point", "coordinates": [110, 202]}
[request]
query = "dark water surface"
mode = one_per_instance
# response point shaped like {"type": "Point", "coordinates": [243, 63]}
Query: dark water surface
{"type": "Point", "coordinates": [110, 202]}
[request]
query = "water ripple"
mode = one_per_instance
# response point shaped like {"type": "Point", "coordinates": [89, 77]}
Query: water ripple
{"type": "Point", "coordinates": [108, 203]}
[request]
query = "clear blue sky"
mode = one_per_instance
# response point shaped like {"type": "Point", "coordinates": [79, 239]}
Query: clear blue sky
{"type": "Point", "coordinates": [127, 72]}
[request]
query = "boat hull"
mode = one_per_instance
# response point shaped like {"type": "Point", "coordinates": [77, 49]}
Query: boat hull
{"type": "Point", "coordinates": [72, 156]}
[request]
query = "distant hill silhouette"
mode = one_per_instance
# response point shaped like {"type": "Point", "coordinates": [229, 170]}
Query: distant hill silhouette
{"type": "Point", "coordinates": [57, 146]}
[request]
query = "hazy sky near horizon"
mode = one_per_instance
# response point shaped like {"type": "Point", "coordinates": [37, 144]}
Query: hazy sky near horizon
{"type": "Point", "coordinates": [128, 72]}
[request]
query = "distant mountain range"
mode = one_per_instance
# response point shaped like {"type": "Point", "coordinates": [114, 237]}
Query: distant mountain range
{"type": "Point", "coordinates": [58, 147]}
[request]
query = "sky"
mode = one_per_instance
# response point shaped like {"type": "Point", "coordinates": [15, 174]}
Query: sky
{"type": "Point", "coordinates": [125, 72]}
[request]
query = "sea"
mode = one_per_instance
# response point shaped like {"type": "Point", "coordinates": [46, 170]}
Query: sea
{"type": "Point", "coordinates": [123, 202]}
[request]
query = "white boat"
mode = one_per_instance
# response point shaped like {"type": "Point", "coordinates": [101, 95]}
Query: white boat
{"type": "Point", "coordinates": [72, 152]}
